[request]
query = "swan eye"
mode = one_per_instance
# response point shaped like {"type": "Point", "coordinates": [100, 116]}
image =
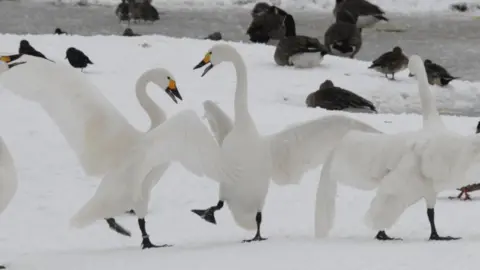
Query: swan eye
{"type": "Point", "coordinates": [169, 78]}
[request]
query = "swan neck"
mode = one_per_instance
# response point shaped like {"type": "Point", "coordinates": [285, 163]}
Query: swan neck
{"type": "Point", "coordinates": [154, 112]}
{"type": "Point", "coordinates": [242, 115]}
{"type": "Point", "coordinates": [431, 117]}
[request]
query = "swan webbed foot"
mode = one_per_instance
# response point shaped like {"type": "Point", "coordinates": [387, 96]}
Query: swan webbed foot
{"type": "Point", "coordinates": [2, 267]}
{"type": "Point", "coordinates": [146, 243]}
{"type": "Point", "coordinates": [436, 237]}
{"type": "Point", "coordinates": [257, 237]}
{"type": "Point", "coordinates": [209, 214]}
{"type": "Point", "coordinates": [382, 236]}
{"type": "Point", "coordinates": [117, 227]}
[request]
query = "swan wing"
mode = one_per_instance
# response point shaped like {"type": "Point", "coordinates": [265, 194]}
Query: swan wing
{"type": "Point", "coordinates": [220, 123]}
{"type": "Point", "coordinates": [8, 176]}
{"type": "Point", "coordinates": [92, 126]}
{"type": "Point", "coordinates": [182, 138]}
{"type": "Point", "coordinates": [300, 148]}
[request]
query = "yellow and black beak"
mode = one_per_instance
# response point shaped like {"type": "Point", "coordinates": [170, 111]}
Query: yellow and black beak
{"type": "Point", "coordinates": [9, 58]}
{"type": "Point", "coordinates": [205, 60]}
{"type": "Point", "coordinates": [172, 91]}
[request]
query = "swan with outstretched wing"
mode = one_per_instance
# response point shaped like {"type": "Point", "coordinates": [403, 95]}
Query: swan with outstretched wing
{"type": "Point", "coordinates": [97, 132]}
{"type": "Point", "coordinates": [283, 157]}
{"type": "Point", "coordinates": [404, 167]}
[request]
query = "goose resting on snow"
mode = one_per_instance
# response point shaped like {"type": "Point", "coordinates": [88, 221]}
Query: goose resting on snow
{"type": "Point", "coordinates": [404, 167]}
{"type": "Point", "coordinates": [369, 14]}
{"type": "Point", "coordinates": [390, 62]}
{"type": "Point", "coordinates": [97, 132]}
{"type": "Point", "coordinates": [330, 97]}
{"type": "Point", "coordinates": [298, 51]}
{"type": "Point", "coordinates": [283, 156]}
{"type": "Point", "coordinates": [344, 38]}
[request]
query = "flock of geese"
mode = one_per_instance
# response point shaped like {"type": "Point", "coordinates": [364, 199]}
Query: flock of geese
{"type": "Point", "coordinates": [343, 38]}
{"type": "Point", "coordinates": [403, 167]}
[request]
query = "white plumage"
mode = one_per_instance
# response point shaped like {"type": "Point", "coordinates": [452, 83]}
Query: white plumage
{"type": "Point", "coordinates": [98, 133]}
{"type": "Point", "coordinates": [404, 167]}
{"type": "Point", "coordinates": [8, 172]}
{"type": "Point", "coordinates": [253, 159]}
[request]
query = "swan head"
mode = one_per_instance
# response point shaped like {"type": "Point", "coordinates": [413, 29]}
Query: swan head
{"type": "Point", "coordinates": [216, 55]}
{"type": "Point", "coordinates": [165, 80]}
{"type": "Point", "coordinates": [5, 62]}
{"type": "Point", "coordinates": [415, 64]}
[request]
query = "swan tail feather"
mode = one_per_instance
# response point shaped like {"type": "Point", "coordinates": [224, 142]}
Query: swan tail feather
{"type": "Point", "coordinates": [325, 201]}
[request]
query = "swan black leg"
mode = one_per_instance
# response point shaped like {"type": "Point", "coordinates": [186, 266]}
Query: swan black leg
{"type": "Point", "coordinates": [146, 243]}
{"type": "Point", "coordinates": [382, 236]}
{"type": "Point", "coordinates": [258, 237]}
{"type": "Point", "coordinates": [433, 234]}
{"type": "Point", "coordinates": [2, 267]}
{"type": "Point", "coordinates": [117, 227]}
{"type": "Point", "coordinates": [209, 214]}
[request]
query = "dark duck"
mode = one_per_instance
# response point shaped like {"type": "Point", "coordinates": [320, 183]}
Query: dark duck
{"type": "Point", "coordinates": [390, 62]}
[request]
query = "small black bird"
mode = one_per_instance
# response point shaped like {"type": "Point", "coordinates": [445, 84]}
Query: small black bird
{"type": "Point", "coordinates": [59, 31]}
{"type": "Point", "coordinates": [26, 48]}
{"type": "Point", "coordinates": [77, 58]}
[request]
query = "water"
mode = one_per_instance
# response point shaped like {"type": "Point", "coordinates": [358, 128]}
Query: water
{"type": "Point", "coordinates": [449, 39]}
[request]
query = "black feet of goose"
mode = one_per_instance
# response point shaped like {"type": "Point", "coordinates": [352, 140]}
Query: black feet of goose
{"type": "Point", "coordinates": [382, 236]}
{"type": "Point", "coordinates": [117, 227]}
{"type": "Point", "coordinates": [209, 214]}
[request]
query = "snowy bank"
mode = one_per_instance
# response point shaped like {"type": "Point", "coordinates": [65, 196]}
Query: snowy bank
{"type": "Point", "coordinates": [398, 6]}
{"type": "Point", "coordinates": [268, 82]}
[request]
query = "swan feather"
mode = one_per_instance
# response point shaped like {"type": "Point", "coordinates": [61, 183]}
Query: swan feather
{"type": "Point", "coordinates": [302, 147]}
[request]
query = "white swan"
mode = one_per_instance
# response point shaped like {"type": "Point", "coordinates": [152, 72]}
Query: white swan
{"type": "Point", "coordinates": [8, 172]}
{"type": "Point", "coordinates": [404, 167]}
{"type": "Point", "coordinates": [98, 133]}
{"type": "Point", "coordinates": [284, 156]}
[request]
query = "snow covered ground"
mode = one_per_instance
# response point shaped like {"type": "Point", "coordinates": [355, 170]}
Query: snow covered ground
{"type": "Point", "coordinates": [34, 230]}
{"type": "Point", "coordinates": [401, 6]}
